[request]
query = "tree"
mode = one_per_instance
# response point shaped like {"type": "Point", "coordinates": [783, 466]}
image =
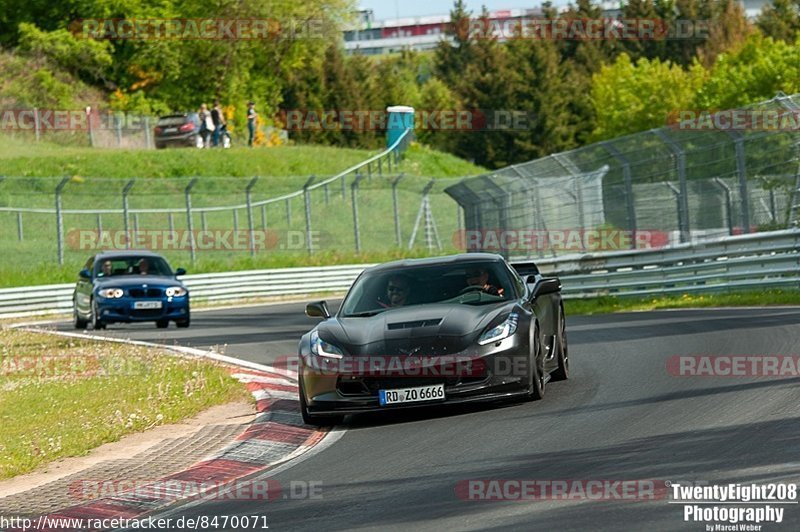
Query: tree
{"type": "Point", "coordinates": [780, 20]}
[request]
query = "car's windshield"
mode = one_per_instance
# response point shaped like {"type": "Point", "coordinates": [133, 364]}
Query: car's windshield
{"type": "Point", "coordinates": [131, 265]}
{"type": "Point", "coordinates": [474, 283]}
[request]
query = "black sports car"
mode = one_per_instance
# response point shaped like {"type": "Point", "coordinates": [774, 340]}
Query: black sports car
{"type": "Point", "coordinates": [443, 330]}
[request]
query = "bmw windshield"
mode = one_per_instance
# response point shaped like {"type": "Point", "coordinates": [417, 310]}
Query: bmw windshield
{"type": "Point", "coordinates": [474, 283]}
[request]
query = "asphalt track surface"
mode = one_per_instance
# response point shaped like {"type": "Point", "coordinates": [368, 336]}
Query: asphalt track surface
{"type": "Point", "coordinates": [621, 416]}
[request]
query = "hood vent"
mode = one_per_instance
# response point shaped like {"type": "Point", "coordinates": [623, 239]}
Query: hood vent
{"type": "Point", "coordinates": [414, 324]}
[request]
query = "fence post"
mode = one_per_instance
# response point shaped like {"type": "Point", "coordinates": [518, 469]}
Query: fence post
{"type": "Point", "coordinates": [99, 224]}
{"type": "Point", "coordinates": [307, 200]}
{"type": "Point", "coordinates": [289, 212]}
{"type": "Point", "coordinates": [327, 194]}
{"type": "Point", "coordinates": [148, 139]}
{"type": "Point", "coordinates": [354, 195]}
{"type": "Point", "coordinates": [741, 172]}
{"type": "Point", "coordinates": [203, 221]}
{"type": "Point", "coordinates": [36, 123]}
{"type": "Point", "coordinates": [60, 220]}
{"type": "Point", "coordinates": [136, 223]}
{"type": "Point", "coordinates": [20, 234]}
{"type": "Point", "coordinates": [397, 234]}
{"type": "Point", "coordinates": [677, 194]}
{"type": "Point", "coordinates": [190, 225]}
{"type": "Point", "coordinates": [89, 126]}
{"type": "Point", "coordinates": [250, 224]}
{"type": "Point", "coordinates": [264, 216]}
{"type": "Point", "coordinates": [683, 199]}
{"type": "Point", "coordinates": [171, 221]}
{"type": "Point", "coordinates": [118, 125]}
{"type": "Point", "coordinates": [728, 206]}
{"type": "Point", "coordinates": [235, 220]}
{"type": "Point", "coordinates": [629, 198]}
{"type": "Point", "coordinates": [125, 191]}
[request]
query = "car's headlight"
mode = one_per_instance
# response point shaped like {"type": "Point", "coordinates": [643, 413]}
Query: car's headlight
{"type": "Point", "coordinates": [322, 348]}
{"type": "Point", "coordinates": [175, 291]}
{"type": "Point", "coordinates": [501, 332]}
{"type": "Point", "coordinates": [112, 293]}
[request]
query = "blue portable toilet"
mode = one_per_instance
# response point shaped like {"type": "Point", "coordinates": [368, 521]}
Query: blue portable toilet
{"type": "Point", "coordinates": [400, 119]}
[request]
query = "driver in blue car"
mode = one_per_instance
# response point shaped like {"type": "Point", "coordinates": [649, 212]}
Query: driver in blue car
{"type": "Point", "coordinates": [480, 277]}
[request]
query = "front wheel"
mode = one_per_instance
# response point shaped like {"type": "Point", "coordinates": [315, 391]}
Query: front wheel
{"type": "Point", "coordinates": [313, 419]}
{"type": "Point", "coordinates": [162, 324]}
{"type": "Point", "coordinates": [536, 376]}
{"type": "Point", "coordinates": [79, 322]}
{"type": "Point", "coordinates": [97, 323]}
{"type": "Point", "coordinates": [562, 372]}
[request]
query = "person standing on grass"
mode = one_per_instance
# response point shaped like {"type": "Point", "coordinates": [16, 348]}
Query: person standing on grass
{"type": "Point", "coordinates": [206, 125]}
{"type": "Point", "coordinates": [218, 117]}
{"type": "Point", "coordinates": [251, 122]}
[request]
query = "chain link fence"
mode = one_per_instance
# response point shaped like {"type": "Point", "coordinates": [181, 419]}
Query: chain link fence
{"type": "Point", "coordinates": [682, 183]}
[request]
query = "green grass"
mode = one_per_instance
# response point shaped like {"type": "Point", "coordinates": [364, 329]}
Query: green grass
{"type": "Point", "coordinates": [608, 304]}
{"type": "Point", "coordinates": [63, 397]}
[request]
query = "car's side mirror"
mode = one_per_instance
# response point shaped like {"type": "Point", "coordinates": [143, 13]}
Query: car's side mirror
{"type": "Point", "coordinates": [547, 286]}
{"type": "Point", "coordinates": [84, 274]}
{"type": "Point", "coordinates": [180, 271]}
{"type": "Point", "coordinates": [318, 310]}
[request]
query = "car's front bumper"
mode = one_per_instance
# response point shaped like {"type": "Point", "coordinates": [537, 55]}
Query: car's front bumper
{"type": "Point", "coordinates": [488, 372]}
{"type": "Point", "coordinates": [124, 311]}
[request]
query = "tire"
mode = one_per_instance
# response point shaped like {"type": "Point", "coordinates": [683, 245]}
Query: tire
{"type": "Point", "coordinates": [162, 324]}
{"type": "Point", "coordinates": [536, 378]}
{"type": "Point", "coordinates": [79, 322]}
{"type": "Point", "coordinates": [313, 419]}
{"type": "Point", "coordinates": [97, 323]}
{"type": "Point", "coordinates": [183, 324]}
{"type": "Point", "coordinates": [562, 373]}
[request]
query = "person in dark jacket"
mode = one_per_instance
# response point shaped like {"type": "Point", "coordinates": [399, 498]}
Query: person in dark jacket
{"type": "Point", "coordinates": [251, 122]}
{"type": "Point", "coordinates": [218, 117]}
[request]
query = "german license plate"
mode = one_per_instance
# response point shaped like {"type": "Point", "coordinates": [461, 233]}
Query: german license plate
{"type": "Point", "coordinates": [170, 130]}
{"type": "Point", "coordinates": [434, 392]}
{"type": "Point", "coordinates": [147, 305]}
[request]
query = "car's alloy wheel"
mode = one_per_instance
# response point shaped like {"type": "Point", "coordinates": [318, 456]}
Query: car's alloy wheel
{"type": "Point", "coordinates": [536, 377]}
{"type": "Point", "coordinates": [562, 373]}
{"type": "Point", "coordinates": [97, 323]}
{"type": "Point", "coordinates": [311, 419]}
{"type": "Point", "coordinates": [183, 324]}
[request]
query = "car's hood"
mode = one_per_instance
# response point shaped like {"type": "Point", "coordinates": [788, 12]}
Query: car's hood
{"type": "Point", "coordinates": [426, 330]}
{"type": "Point", "coordinates": [126, 281]}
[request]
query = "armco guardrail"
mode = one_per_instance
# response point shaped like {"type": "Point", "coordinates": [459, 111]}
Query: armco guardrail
{"type": "Point", "coordinates": [215, 287]}
{"type": "Point", "coordinates": [748, 261]}
{"type": "Point", "coordinates": [760, 260]}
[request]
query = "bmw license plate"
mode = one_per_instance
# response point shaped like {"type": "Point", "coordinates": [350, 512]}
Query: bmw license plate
{"type": "Point", "coordinates": [434, 392]}
{"type": "Point", "coordinates": [147, 305]}
{"type": "Point", "coordinates": [171, 130]}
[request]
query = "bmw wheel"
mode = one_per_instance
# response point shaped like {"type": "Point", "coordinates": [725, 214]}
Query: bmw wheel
{"type": "Point", "coordinates": [79, 322]}
{"type": "Point", "coordinates": [97, 323]}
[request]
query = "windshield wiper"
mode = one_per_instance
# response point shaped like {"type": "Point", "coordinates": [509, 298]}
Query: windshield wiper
{"type": "Point", "coordinates": [365, 314]}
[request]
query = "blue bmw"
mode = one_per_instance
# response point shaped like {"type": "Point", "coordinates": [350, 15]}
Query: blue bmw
{"type": "Point", "coordinates": [127, 287]}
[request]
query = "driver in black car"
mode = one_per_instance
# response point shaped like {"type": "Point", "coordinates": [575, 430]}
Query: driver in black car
{"type": "Point", "coordinates": [396, 292]}
{"type": "Point", "coordinates": [479, 277]}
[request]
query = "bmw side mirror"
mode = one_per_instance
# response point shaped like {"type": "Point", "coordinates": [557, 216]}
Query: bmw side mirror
{"type": "Point", "coordinates": [547, 286]}
{"type": "Point", "coordinates": [318, 310]}
{"type": "Point", "coordinates": [84, 274]}
{"type": "Point", "coordinates": [180, 271]}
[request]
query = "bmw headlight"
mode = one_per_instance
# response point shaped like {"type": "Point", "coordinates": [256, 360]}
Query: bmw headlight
{"type": "Point", "coordinates": [175, 291]}
{"type": "Point", "coordinates": [322, 348]}
{"type": "Point", "coordinates": [500, 332]}
{"type": "Point", "coordinates": [111, 293]}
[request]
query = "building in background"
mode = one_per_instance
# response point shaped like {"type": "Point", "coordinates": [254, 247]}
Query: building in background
{"type": "Point", "coordinates": [374, 37]}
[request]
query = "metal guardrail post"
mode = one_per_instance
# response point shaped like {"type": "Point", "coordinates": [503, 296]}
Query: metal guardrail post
{"type": "Point", "coordinates": [629, 198]}
{"type": "Point", "coordinates": [171, 222]}
{"type": "Point", "coordinates": [728, 204]}
{"type": "Point", "coordinates": [37, 126]}
{"type": "Point", "coordinates": [307, 201]}
{"type": "Point", "coordinates": [677, 194]}
{"type": "Point", "coordinates": [99, 224]}
{"type": "Point", "coordinates": [60, 220]}
{"type": "Point", "coordinates": [203, 221]}
{"type": "Point", "coordinates": [289, 212]}
{"type": "Point", "coordinates": [20, 234]}
{"type": "Point", "coordinates": [354, 196]}
{"type": "Point", "coordinates": [148, 139]}
{"type": "Point", "coordinates": [189, 223]}
{"type": "Point", "coordinates": [683, 199]}
{"type": "Point", "coordinates": [264, 216]}
{"type": "Point", "coordinates": [397, 233]}
{"type": "Point", "coordinates": [235, 220]}
{"type": "Point", "coordinates": [250, 224]}
{"type": "Point", "coordinates": [135, 223]}
{"type": "Point", "coordinates": [125, 191]}
{"type": "Point", "coordinates": [118, 126]}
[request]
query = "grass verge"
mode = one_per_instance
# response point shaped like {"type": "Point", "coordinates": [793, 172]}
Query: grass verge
{"type": "Point", "coordinates": [608, 304]}
{"type": "Point", "coordinates": [62, 397]}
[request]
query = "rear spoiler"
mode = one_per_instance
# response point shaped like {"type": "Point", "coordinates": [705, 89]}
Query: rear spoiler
{"type": "Point", "coordinates": [525, 268]}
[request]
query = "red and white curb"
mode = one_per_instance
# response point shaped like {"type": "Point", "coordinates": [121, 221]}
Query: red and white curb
{"type": "Point", "coordinates": [273, 441]}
